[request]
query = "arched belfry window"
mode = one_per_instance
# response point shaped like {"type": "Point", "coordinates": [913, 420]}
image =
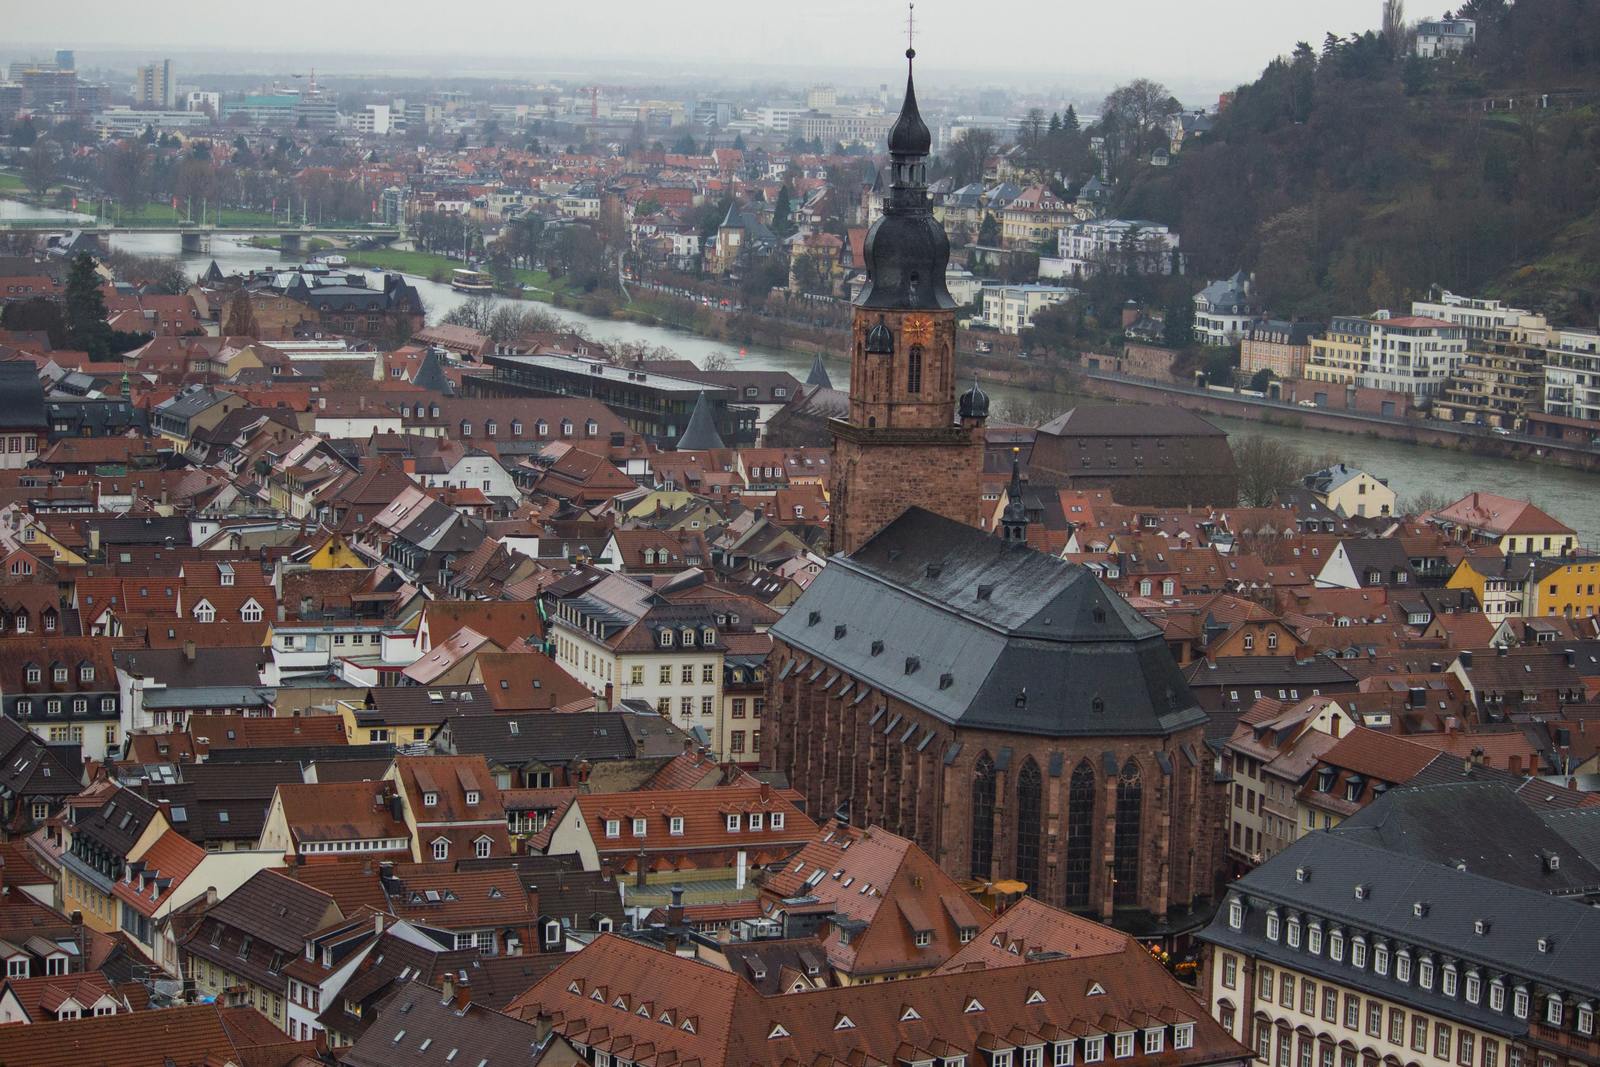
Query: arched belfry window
{"type": "Point", "coordinates": [1030, 824]}
{"type": "Point", "coordinates": [983, 817]}
{"type": "Point", "coordinates": [1077, 874]}
{"type": "Point", "coordinates": [914, 370]}
{"type": "Point", "coordinates": [1125, 851]}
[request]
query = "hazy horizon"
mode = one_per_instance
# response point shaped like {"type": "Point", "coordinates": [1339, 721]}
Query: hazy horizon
{"type": "Point", "coordinates": [1054, 46]}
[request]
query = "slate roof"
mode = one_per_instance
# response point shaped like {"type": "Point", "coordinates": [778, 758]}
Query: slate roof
{"type": "Point", "coordinates": [1483, 825]}
{"type": "Point", "coordinates": [1455, 900]}
{"type": "Point", "coordinates": [701, 432]}
{"type": "Point", "coordinates": [542, 737]}
{"type": "Point", "coordinates": [416, 1024]}
{"type": "Point", "coordinates": [986, 634]}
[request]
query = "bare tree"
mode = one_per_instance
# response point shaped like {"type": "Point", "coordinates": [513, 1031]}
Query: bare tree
{"type": "Point", "coordinates": [241, 321]}
{"type": "Point", "coordinates": [42, 166]}
{"type": "Point", "coordinates": [1133, 121]}
{"type": "Point", "coordinates": [1266, 467]}
{"type": "Point", "coordinates": [969, 153]}
{"type": "Point", "coordinates": [717, 361]}
{"type": "Point", "coordinates": [1394, 22]}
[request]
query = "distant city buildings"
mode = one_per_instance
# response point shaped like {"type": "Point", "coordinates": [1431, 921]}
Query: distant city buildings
{"type": "Point", "coordinates": [154, 87]}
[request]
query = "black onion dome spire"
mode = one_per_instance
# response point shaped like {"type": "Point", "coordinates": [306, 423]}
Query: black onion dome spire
{"type": "Point", "coordinates": [909, 135]}
{"type": "Point", "coordinates": [907, 250]}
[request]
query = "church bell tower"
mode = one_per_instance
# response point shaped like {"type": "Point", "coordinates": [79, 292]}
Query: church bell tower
{"type": "Point", "coordinates": [907, 439]}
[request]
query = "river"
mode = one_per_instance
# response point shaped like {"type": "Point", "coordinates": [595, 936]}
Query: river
{"type": "Point", "coordinates": [1572, 496]}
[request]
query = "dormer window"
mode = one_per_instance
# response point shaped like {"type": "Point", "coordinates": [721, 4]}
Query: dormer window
{"type": "Point", "coordinates": [638, 826]}
{"type": "Point", "coordinates": [33, 674]}
{"type": "Point", "coordinates": [1520, 1002]}
{"type": "Point", "coordinates": [430, 800]}
{"type": "Point", "coordinates": [1273, 925]}
{"type": "Point", "coordinates": [59, 675]}
{"type": "Point", "coordinates": [708, 636]}
{"type": "Point", "coordinates": [613, 827]}
{"type": "Point", "coordinates": [733, 822]}
{"type": "Point", "coordinates": [688, 638]}
{"type": "Point", "coordinates": [666, 638]}
{"type": "Point", "coordinates": [1236, 913]}
{"type": "Point", "coordinates": [86, 673]}
{"type": "Point", "coordinates": [472, 796]}
{"type": "Point", "coordinates": [675, 825]}
{"type": "Point", "coordinates": [1554, 1010]}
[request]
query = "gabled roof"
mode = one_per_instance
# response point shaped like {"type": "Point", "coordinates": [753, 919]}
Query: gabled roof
{"type": "Point", "coordinates": [186, 1036]}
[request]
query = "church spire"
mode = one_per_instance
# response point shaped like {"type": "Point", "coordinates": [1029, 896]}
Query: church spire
{"type": "Point", "coordinates": [1014, 520]}
{"type": "Point", "coordinates": [907, 250]}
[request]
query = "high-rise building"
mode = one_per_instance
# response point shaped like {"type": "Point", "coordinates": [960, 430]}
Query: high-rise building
{"type": "Point", "coordinates": [902, 443]}
{"type": "Point", "coordinates": [65, 60]}
{"type": "Point", "coordinates": [153, 87]}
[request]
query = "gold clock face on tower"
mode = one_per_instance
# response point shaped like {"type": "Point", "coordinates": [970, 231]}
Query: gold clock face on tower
{"type": "Point", "coordinates": [917, 329]}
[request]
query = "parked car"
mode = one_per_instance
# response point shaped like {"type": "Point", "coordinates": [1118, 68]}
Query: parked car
{"type": "Point", "coordinates": [1307, 403]}
{"type": "Point", "coordinates": [1501, 431]}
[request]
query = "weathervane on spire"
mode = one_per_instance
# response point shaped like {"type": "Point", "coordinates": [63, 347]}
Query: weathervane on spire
{"type": "Point", "coordinates": [911, 16]}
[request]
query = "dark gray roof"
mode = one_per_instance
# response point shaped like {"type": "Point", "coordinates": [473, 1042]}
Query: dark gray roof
{"type": "Point", "coordinates": [543, 737]}
{"type": "Point", "coordinates": [985, 634]}
{"type": "Point", "coordinates": [421, 705]}
{"type": "Point", "coordinates": [1483, 825]}
{"type": "Point", "coordinates": [1334, 864]}
{"type": "Point", "coordinates": [701, 433]}
{"type": "Point", "coordinates": [1129, 420]}
{"type": "Point", "coordinates": [21, 396]}
{"type": "Point", "coordinates": [819, 373]}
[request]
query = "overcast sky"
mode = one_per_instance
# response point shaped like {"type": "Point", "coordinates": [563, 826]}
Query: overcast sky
{"type": "Point", "coordinates": [1219, 43]}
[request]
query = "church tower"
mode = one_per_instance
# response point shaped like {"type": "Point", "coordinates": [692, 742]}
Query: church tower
{"type": "Point", "coordinates": [907, 440]}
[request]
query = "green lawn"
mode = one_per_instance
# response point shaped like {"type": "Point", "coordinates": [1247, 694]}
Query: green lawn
{"type": "Point", "coordinates": [438, 267]}
{"type": "Point", "coordinates": [10, 183]}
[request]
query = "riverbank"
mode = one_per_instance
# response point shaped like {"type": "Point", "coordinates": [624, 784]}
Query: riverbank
{"type": "Point", "coordinates": [1465, 440]}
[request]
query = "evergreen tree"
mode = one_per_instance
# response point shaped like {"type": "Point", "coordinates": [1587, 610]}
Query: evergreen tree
{"type": "Point", "coordinates": [1055, 122]}
{"type": "Point", "coordinates": [87, 328]}
{"type": "Point", "coordinates": [1177, 327]}
{"type": "Point", "coordinates": [989, 231]}
{"type": "Point", "coordinates": [783, 214]}
{"type": "Point", "coordinates": [1070, 121]}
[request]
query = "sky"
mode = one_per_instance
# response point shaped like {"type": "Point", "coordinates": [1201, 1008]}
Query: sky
{"type": "Point", "coordinates": [1217, 44]}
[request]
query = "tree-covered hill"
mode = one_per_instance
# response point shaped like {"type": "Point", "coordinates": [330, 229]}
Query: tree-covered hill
{"type": "Point", "coordinates": [1352, 176]}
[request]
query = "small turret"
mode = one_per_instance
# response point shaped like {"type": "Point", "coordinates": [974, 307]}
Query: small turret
{"type": "Point", "coordinates": [974, 404]}
{"type": "Point", "coordinates": [1014, 520]}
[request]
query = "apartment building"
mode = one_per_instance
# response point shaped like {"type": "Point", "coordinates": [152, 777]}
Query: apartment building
{"type": "Point", "coordinates": [613, 635]}
{"type": "Point", "coordinates": [1011, 308]}
{"type": "Point", "coordinates": [1411, 354]}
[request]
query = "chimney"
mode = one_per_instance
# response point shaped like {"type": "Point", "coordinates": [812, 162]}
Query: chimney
{"type": "Point", "coordinates": [447, 987]}
{"type": "Point", "coordinates": [1466, 659]}
{"type": "Point", "coordinates": [463, 998]}
{"type": "Point", "coordinates": [675, 909]}
{"type": "Point", "coordinates": [1571, 656]}
{"type": "Point", "coordinates": [377, 923]}
{"type": "Point", "coordinates": [603, 701]}
{"type": "Point", "coordinates": [766, 790]}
